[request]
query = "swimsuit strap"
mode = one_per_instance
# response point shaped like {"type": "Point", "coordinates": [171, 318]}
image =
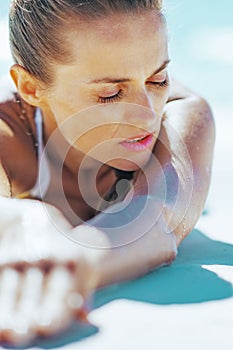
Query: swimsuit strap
{"type": "Point", "coordinates": [43, 177]}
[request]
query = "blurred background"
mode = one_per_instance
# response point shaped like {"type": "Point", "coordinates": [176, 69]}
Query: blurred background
{"type": "Point", "coordinates": [201, 46]}
{"type": "Point", "coordinates": [201, 49]}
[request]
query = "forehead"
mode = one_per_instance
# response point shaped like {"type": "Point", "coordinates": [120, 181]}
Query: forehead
{"type": "Point", "coordinates": [118, 42]}
{"type": "Point", "coordinates": [119, 27]}
{"type": "Point", "coordinates": [116, 26]}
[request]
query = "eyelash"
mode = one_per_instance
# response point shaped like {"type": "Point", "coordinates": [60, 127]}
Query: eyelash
{"type": "Point", "coordinates": [113, 98]}
{"type": "Point", "coordinates": [162, 84]}
{"type": "Point", "coordinates": [119, 95]}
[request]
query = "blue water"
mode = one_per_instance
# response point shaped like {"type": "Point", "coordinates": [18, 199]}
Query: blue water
{"type": "Point", "coordinates": [201, 45]}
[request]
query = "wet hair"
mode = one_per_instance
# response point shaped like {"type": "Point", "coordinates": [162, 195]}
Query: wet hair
{"type": "Point", "coordinates": [37, 36]}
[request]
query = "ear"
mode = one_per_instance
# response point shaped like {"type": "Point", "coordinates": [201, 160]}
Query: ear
{"type": "Point", "coordinates": [29, 87]}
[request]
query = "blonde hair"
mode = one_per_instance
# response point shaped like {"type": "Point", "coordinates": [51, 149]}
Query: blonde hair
{"type": "Point", "coordinates": [36, 37]}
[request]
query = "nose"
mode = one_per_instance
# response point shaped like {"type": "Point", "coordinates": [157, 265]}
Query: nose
{"type": "Point", "coordinates": [143, 99]}
{"type": "Point", "coordinates": [141, 110]}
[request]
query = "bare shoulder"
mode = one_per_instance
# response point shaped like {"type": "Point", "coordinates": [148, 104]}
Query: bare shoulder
{"type": "Point", "coordinates": [7, 89]}
{"type": "Point", "coordinates": [17, 140]}
{"type": "Point", "coordinates": [187, 110]}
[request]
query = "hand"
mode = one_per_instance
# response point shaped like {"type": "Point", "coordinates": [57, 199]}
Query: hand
{"type": "Point", "coordinates": [139, 237]}
{"type": "Point", "coordinates": [45, 278]}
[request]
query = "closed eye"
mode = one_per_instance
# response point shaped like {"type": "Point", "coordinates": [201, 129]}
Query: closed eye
{"type": "Point", "coordinates": [163, 83]}
{"type": "Point", "coordinates": [111, 99]}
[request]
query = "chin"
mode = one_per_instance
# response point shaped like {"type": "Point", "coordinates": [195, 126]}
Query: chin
{"type": "Point", "coordinates": [128, 165]}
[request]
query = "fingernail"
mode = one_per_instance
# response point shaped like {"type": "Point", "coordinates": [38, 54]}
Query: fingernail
{"type": "Point", "coordinates": [82, 315]}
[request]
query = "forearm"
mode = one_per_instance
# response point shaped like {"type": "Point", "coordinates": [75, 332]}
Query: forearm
{"type": "Point", "coordinates": [133, 241]}
{"type": "Point", "coordinates": [184, 152]}
{"type": "Point", "coordinates": [190, 134]}
{"type": "Point", "coordinates": [133, 261]}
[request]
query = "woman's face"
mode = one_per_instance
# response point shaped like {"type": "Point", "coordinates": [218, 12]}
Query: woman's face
{"type": "Point", "coordinates": [109, 101]}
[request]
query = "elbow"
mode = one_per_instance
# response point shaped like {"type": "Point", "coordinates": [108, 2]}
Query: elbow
{"type": "Point", "coordinates": [205, 114]}
{"type": "Point", "coordinates": [171, 257]}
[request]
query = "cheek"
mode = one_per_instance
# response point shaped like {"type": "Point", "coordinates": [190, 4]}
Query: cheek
{"type": "Point", "coordinates": [61, 114]}
{"type": "Point", "coordinates": [65, 103]}
{"type": "Point", "coordinates": [60, 108]}
{"type": "Point", "coordinates": [96, 139]}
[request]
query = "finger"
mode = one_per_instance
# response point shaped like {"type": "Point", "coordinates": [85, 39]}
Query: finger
{"type": "Point", "coordinates": [28, 301]}
{"type": "Point", "coordinates": [8, 294]}
{"type": "Point", "coordinates": [75, 301]}
{"type": "Point", "coordinates": [30, 292]}
{"type": "Point", "coordinates": [76, 305]}
{"type": "Point", "coordinates": [10, 282]}
{"type": "Point", "coordinates": [53, 314]}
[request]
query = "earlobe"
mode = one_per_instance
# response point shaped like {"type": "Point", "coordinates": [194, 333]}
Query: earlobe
{"type": "Point", "coordinates": [27, 85]}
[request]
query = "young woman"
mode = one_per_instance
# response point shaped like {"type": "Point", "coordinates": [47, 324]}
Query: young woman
{"type": "Point", "coordinates": [111, 152]}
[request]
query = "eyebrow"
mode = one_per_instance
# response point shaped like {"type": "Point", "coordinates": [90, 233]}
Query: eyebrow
{"type": "Point", "coordinates": [108, 80]}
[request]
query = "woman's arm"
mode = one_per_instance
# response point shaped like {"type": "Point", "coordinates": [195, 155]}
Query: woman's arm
{"type": "Point", "coordinates": [35, 256]}
{"type": "Point", "coordinates": [184, 151]}
{"type": "Point", "coordinates": [189, 134]}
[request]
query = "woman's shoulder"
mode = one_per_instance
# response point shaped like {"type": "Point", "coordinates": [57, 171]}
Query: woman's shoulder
{"type": "Point", "coordinates": [17, 135]}
{"type": "Point", "coordinates": [12, 105]}
{"type": "Point", "coordinates": [8, 109]}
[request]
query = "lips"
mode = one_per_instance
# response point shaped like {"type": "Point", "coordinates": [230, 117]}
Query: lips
{"type": "Point", "coordinates": [139, 142]}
